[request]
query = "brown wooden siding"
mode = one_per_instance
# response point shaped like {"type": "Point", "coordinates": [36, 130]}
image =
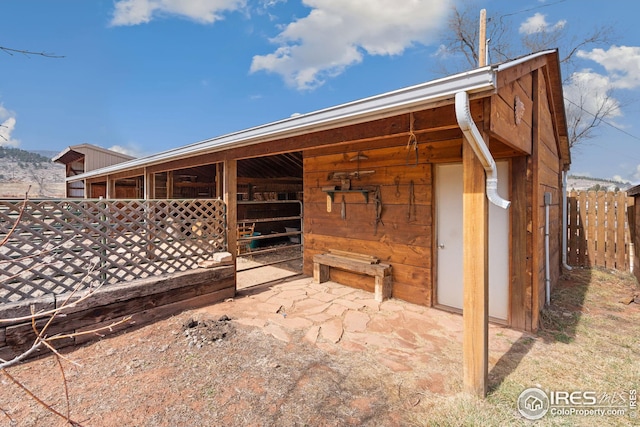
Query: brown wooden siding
{"type": "Point", "coordinates": [406, 238]}
{"type": "Point", "coordinates": [548, 168]}
{"type": "Point", "coordinates": [503, 123]}
{"type": "Point", "coordinates": [521, 239]}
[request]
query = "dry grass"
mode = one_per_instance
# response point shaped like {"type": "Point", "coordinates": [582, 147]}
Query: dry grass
{"type": "Point", "coordinates": [44, 181]}
{"type": "Point", "coordinates": [588, 342]}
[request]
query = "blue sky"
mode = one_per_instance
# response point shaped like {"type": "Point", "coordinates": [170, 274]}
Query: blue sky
{"type": "Point", "coordinates": [149, 75]}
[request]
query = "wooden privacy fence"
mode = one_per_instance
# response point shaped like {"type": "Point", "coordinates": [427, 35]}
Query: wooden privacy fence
{"type": "Point", "coordinates": [598, 229]}
{"type": "Point", "coordinates": [55, 246]}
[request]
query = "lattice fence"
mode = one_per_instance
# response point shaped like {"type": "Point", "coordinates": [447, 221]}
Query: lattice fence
{"type": "Point", "coordinates": [61, 245]}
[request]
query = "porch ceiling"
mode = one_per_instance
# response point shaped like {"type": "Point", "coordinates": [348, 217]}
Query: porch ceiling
{"type": "Point", "coordinates": [287, 165]}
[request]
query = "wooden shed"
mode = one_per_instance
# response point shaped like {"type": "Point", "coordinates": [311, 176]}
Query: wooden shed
{"type": "Point", "coordinates": [82, 158]}
{"type": "Point", "coordinates": [402, 177]}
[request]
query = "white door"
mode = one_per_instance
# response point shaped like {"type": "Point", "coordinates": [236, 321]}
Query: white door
{"type": "Point", "coordinates": [449, 241]}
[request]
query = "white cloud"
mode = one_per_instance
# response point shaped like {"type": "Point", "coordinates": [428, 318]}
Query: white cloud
{"type": "Point", "coordinates": [591, 92]}
{"type": "Point", "coordinates": [7, 126]}
{"type": "Point", "coordinates": [594, 91]}
{"type": "Point", "coordinates": [133, 12]}
{"type": "Point", "coordinates": [338, 33]}
{"type": "Point", "coordinates": [442, 53]}
{"type": "Point", "coordinates": [129, 151]}
{"type": "Point", "coordinates": [621, 62]}
{"type": "Point", "coordinates": [538, 24]}
{"type": "Point", "coordinates": [637, 174]}
{"type": "Point", "coordinates": [619, 178]}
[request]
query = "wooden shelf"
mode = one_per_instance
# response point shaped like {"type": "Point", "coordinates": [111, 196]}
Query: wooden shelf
{"type": "Point", "coordinates": [189, 184]}
{"type": "Point", "coordinates": [365, 193]}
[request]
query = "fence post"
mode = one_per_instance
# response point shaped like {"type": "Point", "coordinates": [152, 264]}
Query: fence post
{"type": "Point", "coordinates": [102, 227]}
{"type": "Point", "coordinates": [588, 221]}
{"type": "Point", "coordinates": [622, 243]}
{"type": "Point", "coordinates": [572, 228]}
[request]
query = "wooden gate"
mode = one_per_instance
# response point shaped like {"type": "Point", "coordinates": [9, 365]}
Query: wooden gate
{"type": "Point", "coordinates": [598, 229]}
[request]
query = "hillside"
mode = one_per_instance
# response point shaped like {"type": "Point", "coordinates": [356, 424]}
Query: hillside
{"type": "Point", "coordinates": [582, 183]}
{"type": "Point", "coordinates": [20, 169]}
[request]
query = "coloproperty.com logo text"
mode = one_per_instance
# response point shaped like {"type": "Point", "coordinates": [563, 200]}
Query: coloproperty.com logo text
{"type": "Point", "coordinates": [534, 403]}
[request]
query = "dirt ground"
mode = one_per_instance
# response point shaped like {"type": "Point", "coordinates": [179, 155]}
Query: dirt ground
{"type": "Point", "coordinates": [298, 354]}
{"type": "Point", "coordinates": [160, 376]}
{"type": "Point", "coordinates": [257, 366]}
{"type": "Point", "coordinates": [187, 372]}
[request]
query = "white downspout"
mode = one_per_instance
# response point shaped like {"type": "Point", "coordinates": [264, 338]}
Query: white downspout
{"type": "Point", "coordinates": [547, 274]}
{"type": "Point", "coordinates": [564, 222]}
{"type": "Point", "coordinates": [472, 134]}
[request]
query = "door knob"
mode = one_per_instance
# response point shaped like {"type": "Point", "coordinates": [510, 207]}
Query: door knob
{"type": "Point", "coordinates": [441, 245]}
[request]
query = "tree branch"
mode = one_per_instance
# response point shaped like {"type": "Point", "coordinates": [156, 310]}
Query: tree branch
{"type": "Point", "coordinates": [461, 39]}
{"type": "Point", "coordinates": [28, 53]}
{"type": "Point", "coordinates": [37, 399]}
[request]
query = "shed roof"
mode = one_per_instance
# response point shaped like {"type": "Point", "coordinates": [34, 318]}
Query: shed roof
{"type": "Point", "coordinates": [76, 152]}
{"type": "Point", "coordinates": [633, 191]}
{"type": "Point", "coordinates": [477, 83]}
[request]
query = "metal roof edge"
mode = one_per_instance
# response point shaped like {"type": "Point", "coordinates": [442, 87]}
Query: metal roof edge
{"type": "Point", "coordinates": [85, 145]}
{"type": "Point", "coordinates": [474, 81]}
{"type": "Point", "coordinates": [633, 191]}
{"type": "Point", "coordinates": [61, 154]}
{"type": "Point", "coordinates": [522, 59]}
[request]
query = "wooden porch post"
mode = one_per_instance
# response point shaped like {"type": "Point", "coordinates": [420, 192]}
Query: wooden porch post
{"type": "Point", "coordinates": [149, 185]}
{"type": "Point", "coordinates": [111, 188]}
{"type": "Point", "coordinates": [219, 180]}
{"type": "Point", "coordinates": [475, 274]}
{"type": "Point", "coordinates": [230, 187]}
{"type": "Point", "coordinates": [169, 184]}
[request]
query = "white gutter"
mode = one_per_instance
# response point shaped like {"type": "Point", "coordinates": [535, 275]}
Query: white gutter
{"type": "Point", "coordinates": [477, 81]}
{"type": "Point", "coordinates": [472, 134]}
{"type": "Point", "coordinates": [524, 59]}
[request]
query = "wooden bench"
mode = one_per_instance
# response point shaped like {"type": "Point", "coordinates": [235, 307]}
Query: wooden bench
{"type": "Point", "coordinates": [356, 264]}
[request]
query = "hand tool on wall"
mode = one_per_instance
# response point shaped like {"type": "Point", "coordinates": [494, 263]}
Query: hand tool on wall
{"type": "Point", "coordinates": [412, 203]}
{"type": "Point", "coordinates": [377, 199]}
{"type": "Point", "coordinates": [343, 208]}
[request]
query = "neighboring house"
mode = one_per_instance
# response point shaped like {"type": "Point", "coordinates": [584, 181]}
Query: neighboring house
{"type": "Point", "coordinates": [389, 176]}
{"type": "Point", "coordinates": [82, 158]}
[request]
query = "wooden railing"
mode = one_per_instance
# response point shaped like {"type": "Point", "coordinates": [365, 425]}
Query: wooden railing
{"type": "Point", "coordinates": [598, 229]}
{"type": "Point", "coordinates": [55, 246]}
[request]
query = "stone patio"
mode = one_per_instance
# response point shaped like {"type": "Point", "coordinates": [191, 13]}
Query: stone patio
{"type": "Point", "coordinates": [423, 343]}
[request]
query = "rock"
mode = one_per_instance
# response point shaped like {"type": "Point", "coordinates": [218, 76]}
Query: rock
{"type": "Point", "coordinates": [312, 334]}
{"type": "Point", "coordinates": [332, 330]}
{"type": "Point", "coordinates": [627, 300]}
{"type": "Point", "coordinates": [217, 259]}
{"type": "Point", "coordinates": [222, 257]}
{"type": "Point", "coordinates": [277, 332]}
{"type": "Point", "coordinates": [356, 321]}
